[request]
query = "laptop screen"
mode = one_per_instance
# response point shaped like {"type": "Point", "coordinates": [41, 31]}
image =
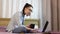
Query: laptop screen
{"type": "Point", "coordinates": [45, 26]}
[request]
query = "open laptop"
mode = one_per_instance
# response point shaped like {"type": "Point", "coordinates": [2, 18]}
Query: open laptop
{"type": "Point", "coordinates": [45, 26]}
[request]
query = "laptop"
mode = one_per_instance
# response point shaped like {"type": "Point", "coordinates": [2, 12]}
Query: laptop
{"type": "Point", "coordinates": [45, 26]}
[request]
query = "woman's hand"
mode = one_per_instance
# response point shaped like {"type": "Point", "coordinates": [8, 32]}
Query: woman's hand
{"type": "Point", "coordinates": [34, 30]}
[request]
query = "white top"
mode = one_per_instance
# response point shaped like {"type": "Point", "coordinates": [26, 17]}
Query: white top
{"type": "Point", "coordinates": [16, 21]}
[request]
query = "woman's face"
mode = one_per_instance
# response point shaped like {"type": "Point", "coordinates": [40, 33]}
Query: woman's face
{"type": "Point", "coordinates": [28, 11]}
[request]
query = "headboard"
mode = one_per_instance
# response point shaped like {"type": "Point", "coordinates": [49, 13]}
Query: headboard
{"type": "Point", "coordinates": [5, 21]}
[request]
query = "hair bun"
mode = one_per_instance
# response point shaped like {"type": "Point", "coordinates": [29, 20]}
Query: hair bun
{"type": "Point", "coordinates": [26, 3]}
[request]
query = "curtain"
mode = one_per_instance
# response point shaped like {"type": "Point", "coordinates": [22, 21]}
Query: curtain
{"type": "Point", "coordinates": [55, 9]}
{"type": "Point", "coordinates": [9, 7]}
{"type": "Point", "coordinates": [0, 8]}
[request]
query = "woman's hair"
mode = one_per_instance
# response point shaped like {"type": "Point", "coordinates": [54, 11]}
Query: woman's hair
{"type": "Point", "coordinates": [26, 5]}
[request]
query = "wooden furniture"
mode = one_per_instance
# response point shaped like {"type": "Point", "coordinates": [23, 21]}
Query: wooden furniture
{"type": "Point", "coordinates": [5, 21]}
